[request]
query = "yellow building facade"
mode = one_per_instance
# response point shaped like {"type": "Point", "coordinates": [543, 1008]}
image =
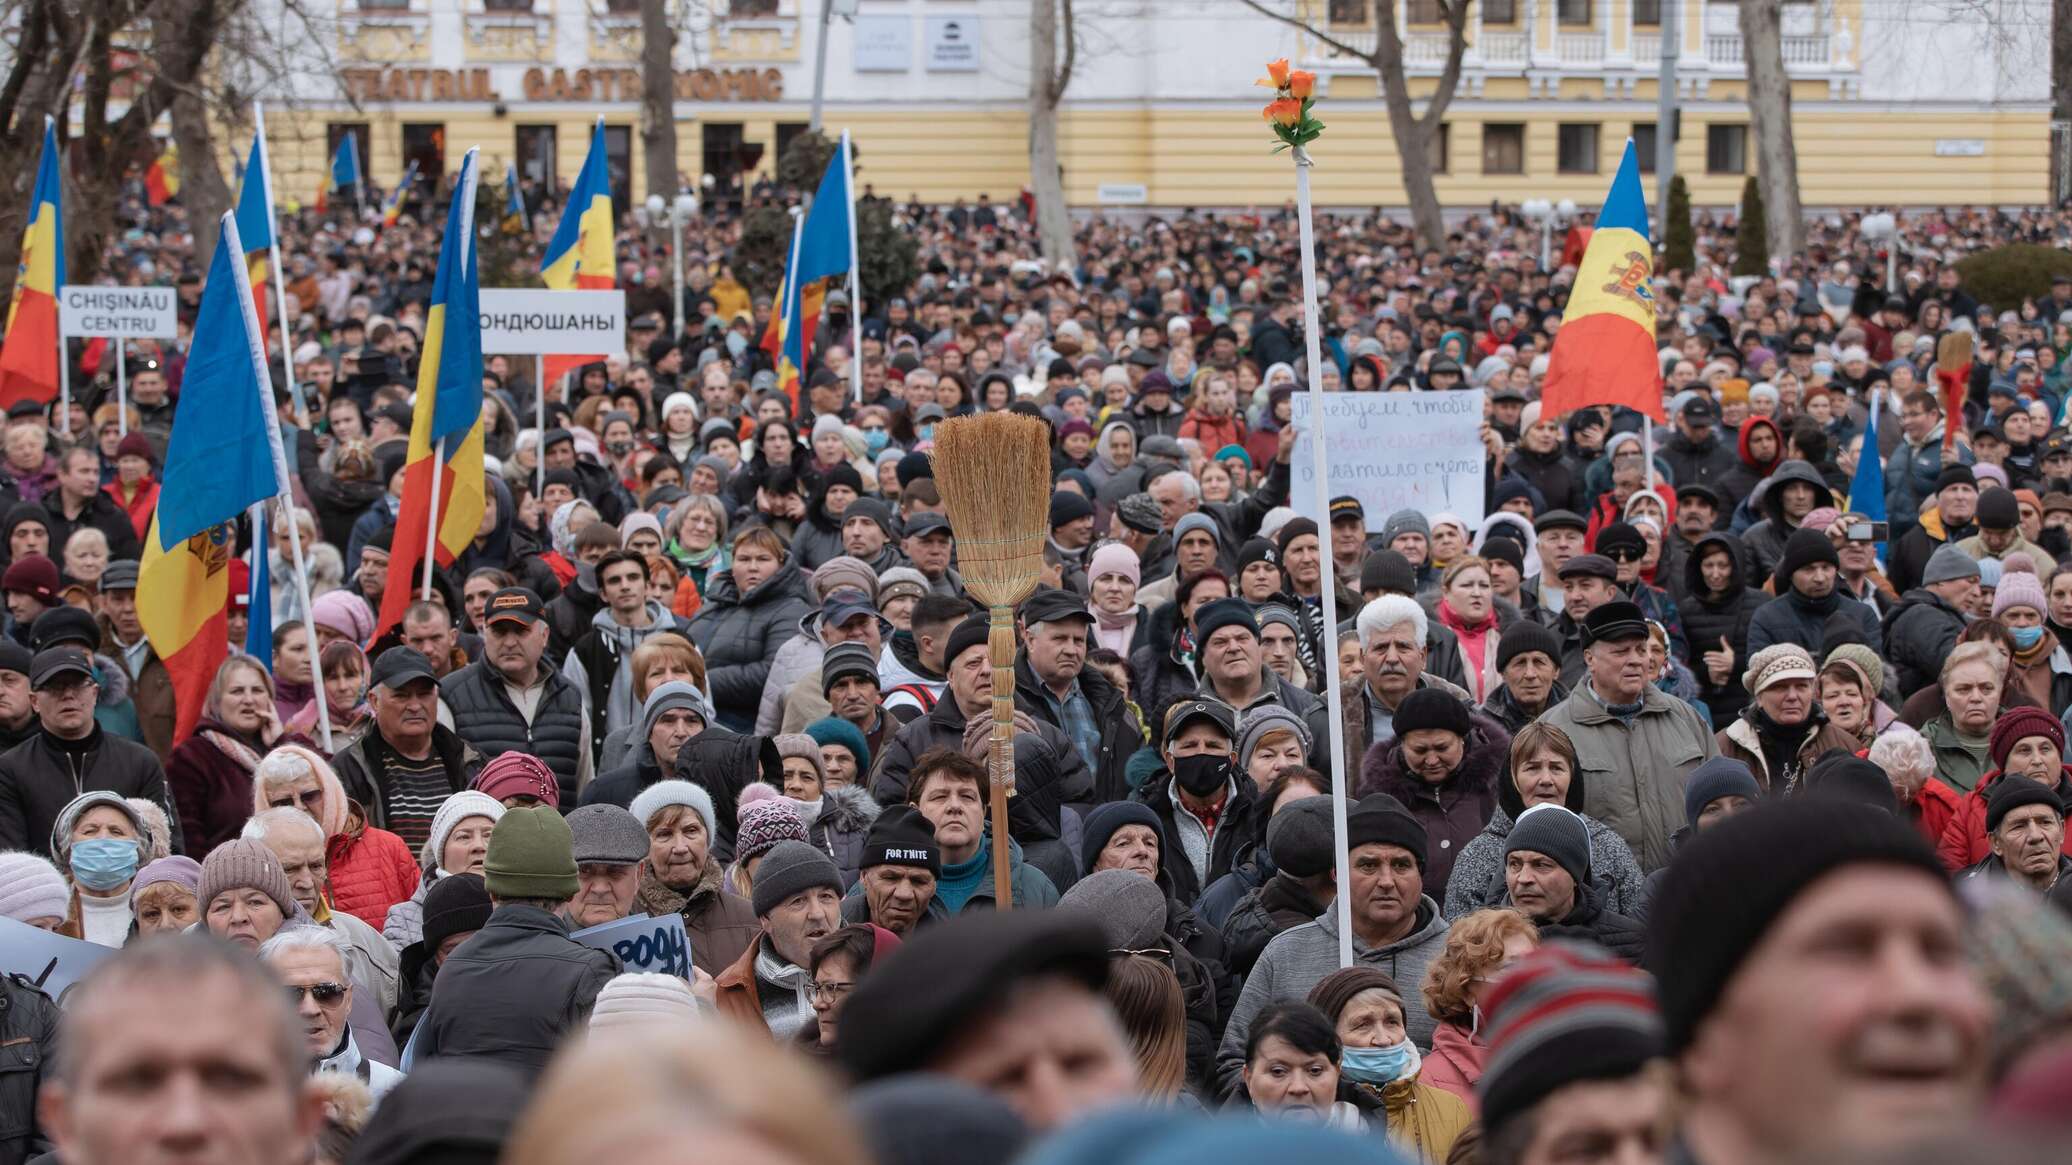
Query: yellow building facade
{"type": "Point", "coordinates": [934, 94]}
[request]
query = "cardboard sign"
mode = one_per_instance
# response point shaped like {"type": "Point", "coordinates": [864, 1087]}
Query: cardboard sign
{"type": "Point", "coordinates": [643, 944]}
{"type": "Point", "coordinates": [538, 322]}
{"type": "Point", "coordinates": [1394, 451]}
{"type": "Point", "coordinates": [51, 961]}
{"type": "Point", "coordinates": [118, 312]}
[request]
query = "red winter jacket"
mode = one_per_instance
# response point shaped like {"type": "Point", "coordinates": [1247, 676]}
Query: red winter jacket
{"type": "Point", "coordinates": [1213, 432]}
{"type": "Point", "coordinates": [1933, 808]}
{"type": "Point", "coordinates": [1963, 840]}
{"type": "Point", "coordinates": [371, 870]}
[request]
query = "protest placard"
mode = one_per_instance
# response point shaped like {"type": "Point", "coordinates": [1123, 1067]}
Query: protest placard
{"type": "Point", "coordinates": [643, 943]}
{"type": "Point", "coordinates": [51, 961]}
{"type": "Point", "coordinates": [535, 321]}
{"type": "Point", "coordinates": [1394, 450]}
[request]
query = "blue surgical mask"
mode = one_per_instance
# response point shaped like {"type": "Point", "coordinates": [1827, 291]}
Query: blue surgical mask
{"type": "Point", "coordinates": [1398, 1061]}
{"type": "Point", "coordinates": [104, 863]}
{"type": "Point", "coordinates": [737, 344]}
{"type": "Point", "coordinates": [2026, 637]}
{"type": "Point", "coordinates": [926, 432]}
{"type": "Point", "coordinates": [875, 440]}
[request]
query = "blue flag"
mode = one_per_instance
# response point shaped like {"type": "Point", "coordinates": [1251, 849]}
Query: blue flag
{"type": "Point", "coordinates": [219, 459]}
{"type": "Point", "coordinates": [822, 249]}
{"type": "Point", "coordinates": [345, 163]}
{"type": "Point", "coordinates": [1867, 488]}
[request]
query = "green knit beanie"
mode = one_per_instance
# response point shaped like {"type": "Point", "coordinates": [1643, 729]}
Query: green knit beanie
{"type": "Point", "coordinates": [531, 855]}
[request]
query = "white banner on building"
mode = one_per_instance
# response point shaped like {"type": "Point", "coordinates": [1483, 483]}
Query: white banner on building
{"type": "Point", "coordinates": [952, 44]}
{"type": "Point", "coordinates": [1394, 451]}
{"type": "Point", "coordinates": [118, 312]}
{"type": "Point", "coordinates": [538, 322]}
{"type": "Point", "coordinates": [884, 43]}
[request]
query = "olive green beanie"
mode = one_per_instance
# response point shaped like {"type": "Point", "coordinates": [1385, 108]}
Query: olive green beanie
{"type": "Point", "coordinates": [531, 855]}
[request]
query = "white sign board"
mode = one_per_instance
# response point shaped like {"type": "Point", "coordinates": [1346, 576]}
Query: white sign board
{"type": "Point", "coordinates": [952, 44]}
{"type": "Point", "coordinates": [1123, 194]}
{"type": "Point", "coordinates": [643, 944]}
{"type": "Point", "coordinates": [119, 312]}
{"type": "Point", "coordinates": [1394, 451]}
{"type": "Point", "coordinates": [538, 322]}
{"type": "Point", "coordinates": [1960, 147]}
{"type": "Point", "coordinates": [884, 44]}
{"type": "Point", "coordinates": [51, 961]}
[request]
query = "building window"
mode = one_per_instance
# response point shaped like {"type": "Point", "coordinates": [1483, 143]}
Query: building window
{"type": "Point", "coordinates": [751, 9]}
{"type": "Point", "coordinates": [1576, 147]}
{"type": "Point", "coordinates": [1348, 12]}
{"type": "Point", "coordinates": [622, 7]}
{"type": "Point", "coordinates": [425, 144]}
{"type": "Point", "coordinates": [1647, 12]}
{"type": "Point", "coordinates": [1574, 12]}
{"type": "Point", "coordinates": [385, 5]}
{"type": "Point", "coordinates": [1726, 149]}
{"type": "Point", "coordinates": [1439, 149]}
{"type": "Point", "coordinates": [1426, 12]}
{"type": "Point", "coordinates": [618, 166]}
{"type": "Point", "coordinates": [1500, 12]}
{"type": "Point", "coordinates": [1644, 145]}
{"type": "Point", "coordinates": [507, 5]}
{"type": "Point", "coordinates": [1503, 148]}
{"type": "Point", "coordinates": [536, 158]}
{"type": "Point", "coordinates": [787, 133]}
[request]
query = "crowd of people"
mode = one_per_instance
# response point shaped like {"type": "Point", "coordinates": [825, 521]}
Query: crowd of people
{"type": "Point", "coordinates": [1692, 814]}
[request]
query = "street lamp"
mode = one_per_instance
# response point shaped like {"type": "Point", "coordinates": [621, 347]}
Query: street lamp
{"type": "Point", "coordinates": [1884, 227]}
{"type": "Point", "coordinates": [679, 212]}
{"type": "Point", "coordinates": [1544, 212]}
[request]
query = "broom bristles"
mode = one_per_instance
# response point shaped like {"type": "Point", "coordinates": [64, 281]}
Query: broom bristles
{"type": "Point", "coordinates": [1953, 352]}
{"type": "Point", "coordinates": [993, 471]}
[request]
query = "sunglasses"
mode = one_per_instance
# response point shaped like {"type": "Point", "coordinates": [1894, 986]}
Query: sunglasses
{"type": "Point", "coordinates": [1625, 554]}
{"type": "Point", "coordinates": [310, 800]}
{"type": "Point", "coordinates": [325, 994]}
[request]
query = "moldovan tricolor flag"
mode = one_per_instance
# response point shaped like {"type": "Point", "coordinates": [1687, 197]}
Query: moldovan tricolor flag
{"type": "Point", "coordinates": [581, 253]}
{"type": "Point", "coordinates": [162, 180]}
{"type": "Point", "coordinates": [1604, 353]}
{"type": "Point", "coordinates": [392, 206]}
{"type": "Point", "coordinates": [29, 362]}
{"type": "Point", "coordinates": [219, 461]}
{"type": "Point", "coordinates": [820, 250]}
{"type": "Point", "coordinates": [446, 428]}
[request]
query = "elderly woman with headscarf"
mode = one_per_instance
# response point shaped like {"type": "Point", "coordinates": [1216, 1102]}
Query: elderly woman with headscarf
{"type": "Point", "coordinates": [346, 671]}
{"type": "Point", "coordinates": [99, 842]}
{"type": "Point", "coordinates": [1115, 455]}
{"type": "Point", "coordinates": [562, 529]}
{"type": "Point", "coordinates": [370, 869]}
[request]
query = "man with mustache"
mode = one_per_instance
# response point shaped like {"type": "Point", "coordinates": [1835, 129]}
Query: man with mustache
{"type": "Point", "coordinates": [407, 763]}
{"type": "Point", "coordinates": [1815, 990]}
{"type": "Point", "coordinates": [798, 900]}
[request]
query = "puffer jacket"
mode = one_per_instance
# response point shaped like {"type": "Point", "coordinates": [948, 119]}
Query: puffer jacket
{"type": "Point", "coordinates": [1709, 619]}
{"type": "Point", "coordinates": [1919, 635]}
{"type": "Point", "coordinates": [1963, 842]}
{"type": "Point", "coordinates": [846, 813]}
{"type": "Point", "coordinates": [1793, 618]}
{"type": "Point", "coordinates": [739, 635]}
{"type": "Point", "coordinates": [1281, 904]}
{"type": "Point", "coordinates": [1910, 473]}
{"type": "Point", "coordinates": [1765, 540]}
{"type": "Point", "coordinates": [514, 991]}
{"type": "Point", "coordinates": [1454, 811]}
{"type": "Point", "coordinates": [1589, 921]}
{"type": "Point", "coordinates": [1478, 873]}
{"type": "Point", "coordinates": [371, 869]}
{"type": "Point", "coordinates": [720, 923]}
{"type": "Point", "coordinates": [1159, 670]}
{"type": "Point", "coordinates": [800, 656]}
{"type": "Point", "coordinates": [1633, 772]}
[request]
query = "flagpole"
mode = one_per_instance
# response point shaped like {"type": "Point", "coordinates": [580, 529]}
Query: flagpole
{"type": "Point", "coordinates": [1647, 448]}
{"type": "Point", "coordinates": [431, 526]}
{"type": "Point", "coordinates": [1320, 467]}
{"type": "Point", "coordinates": [283, 491]}
{"type": "Point", "coordinates": [793, 304]}
{"type": "Point", "coordinates": [855, 278]}
{"type": "Point", "coordinates": [64, 385]}
{"type": "Point", "coordinates": [280, 279]}
{"type": "Point", "coordinates": [539, 449]}
{"type": "Point", "coordinates": [121, 391]}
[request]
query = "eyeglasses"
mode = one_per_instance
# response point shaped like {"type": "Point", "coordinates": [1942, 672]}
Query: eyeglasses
{"type": "Point", "coordinates": [325, 994]}
{"type": "Point", "coordinates": [829, 991]}
{"type": "Point", "coordinates": [1625, 554]}
{"type": "Point", "coordinates": [310, 800]}
{"type": "Point", "coordinates": [1160, 953]}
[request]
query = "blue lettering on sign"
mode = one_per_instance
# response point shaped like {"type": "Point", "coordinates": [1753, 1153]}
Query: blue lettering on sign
{"type": "Point", "coordinates": [664, 952]}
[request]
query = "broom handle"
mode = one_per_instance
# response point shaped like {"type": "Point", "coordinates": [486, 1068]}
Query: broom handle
{"type": "Point", "coordinates": [1000, 758]}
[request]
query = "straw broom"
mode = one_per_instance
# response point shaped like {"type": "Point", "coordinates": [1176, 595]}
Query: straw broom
{"type": "Point", "coordinates": [993, 471]}
{"type": "Point", "coordinates": [1953, 372]}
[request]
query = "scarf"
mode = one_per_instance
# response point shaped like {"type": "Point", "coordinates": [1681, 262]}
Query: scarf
{"type": "Point", "coordinates": [2031, 668]}
{"type": "Point", "coordinates": [1475, 643]}
{"type": "Point", "coordinates": [781, 987]}
{"type": "Point", "coordinates": [233, 746]}
{"type": "Point", "coordinates": [1114, 632]}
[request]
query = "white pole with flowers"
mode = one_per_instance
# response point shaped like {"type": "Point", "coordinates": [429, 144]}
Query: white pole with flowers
{"type": "Point", "coordinates": [1292, 114]}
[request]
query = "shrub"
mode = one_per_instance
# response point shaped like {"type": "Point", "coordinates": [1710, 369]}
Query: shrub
{"type": "Point", "coordinates": [1679, 241]}
{"type": "Point", "coordinates": [1752, 238]}
{"type": "Point", "coordinates": [2004, 276]}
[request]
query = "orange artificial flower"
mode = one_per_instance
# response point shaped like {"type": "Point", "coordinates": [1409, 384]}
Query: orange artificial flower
{"type": "Point", "coordinates": [1276, 74]}
{"type": "Point", "coordinates": [1286, 111]}
{"type": "Point", "coordinates": [1301, 84]}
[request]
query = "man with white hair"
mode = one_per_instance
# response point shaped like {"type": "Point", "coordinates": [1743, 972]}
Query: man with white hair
{"type": "Point", "coordinates": [310, 961]}
{"type": "Point", "coordinates": [298, 842]}
{"type": "Point", "coordinates": [1392, 648]}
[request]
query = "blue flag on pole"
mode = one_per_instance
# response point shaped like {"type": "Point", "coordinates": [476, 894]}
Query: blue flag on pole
{"type": "Point", "coordinates": [822, 250]}
{"type": "Point", "coordinates": [1867, 488]}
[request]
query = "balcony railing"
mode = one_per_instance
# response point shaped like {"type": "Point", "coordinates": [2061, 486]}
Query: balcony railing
{"type": "Point", "coordinates": [1505, 48]}
{"type": "Point", "coordinates": [1580, 48]}
{"type": "Point", "coordinates": [1803, 51]}
{"type": "Point", "coordinates": [1424, 50]}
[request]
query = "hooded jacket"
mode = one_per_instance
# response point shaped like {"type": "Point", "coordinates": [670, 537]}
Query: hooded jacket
{"type": "Point", "coordinates": [600, 666]}
{"type": "Point", "coordinates": [1478, 873]}
{"type": "Point", "coordinates": [1765, 540]}
{"type": "Point", "coordinates": [1741, 481]}
{"type": "Point", "coordinates": [1454, 811]}
{"type": "Point", "coordinates": [842, 826]}
{"type": "Point", "coordinates": [739, 635]}
{"type": "Point", "coordinates": [1709, 618]}
{"type": "Point", "coordinates": [1919, 634]}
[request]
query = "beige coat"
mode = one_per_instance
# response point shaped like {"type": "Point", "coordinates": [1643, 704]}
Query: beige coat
{"type": "Point", "coordinates": [1633, 776]}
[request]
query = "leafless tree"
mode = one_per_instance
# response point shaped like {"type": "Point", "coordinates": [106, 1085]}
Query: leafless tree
{"type": "Point", "coordinates": [1769, 116]}
{"type": "Point", "coordinates": [658, 96]}
{"type": "Point", "coordinates": [1048, 77]}
{"type": "Point", "coordinates": [1412, 131]}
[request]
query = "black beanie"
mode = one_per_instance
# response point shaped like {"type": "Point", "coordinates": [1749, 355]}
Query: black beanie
{"type": "Point", "coordinates": [456, 904]}
{"type": "Point", "coordinates": [1845, 776]}
{"type": "Point", "coordinates": [1503, 548]}
{"type": "Point", "coordinates": [2010, 793]}
{"type": "Point", "coordinates": [1102, 823]}
{"type": "Point", "coordinates": [1432, 708]}
{"type": "Point", "coordinates": [1731, 881]}
{"type": "Point", "coordinates": [901, 837]}
{"type": "Point", "coordinates": [1557, 832]}
{"type": "Point", "coordinates": [1955, 475]}
{"type": "Point", "coordinates": [1621, 535]}
{"type": "Point", "coordinates": [1380, 819]}
{"type": "Point", "coordinates": [1299, 838]}
{"type": "Point", "coordinates": [1804, 548]}
{"type": "Point", "coordinates": [1069, 506]}
{"type": "Point", "coordinates": [1998, 510]}
{"type": "Point", "coordinates": [970, 633]}
{"type": "Point", "coordinates": [1292, 529]}
{"type": "Point", "coordinates": [1257, 550]}
{"type": "Point", "coordinates": [1524, 636]}
{"type": "Point", "coordinates": [1213, 617]}
{"type": "Point", "coordinates": [1388, 571]}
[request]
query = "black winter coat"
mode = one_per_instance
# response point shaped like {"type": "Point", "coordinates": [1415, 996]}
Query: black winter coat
{"type": "Point", "coordinates": [1589, 921]}
{"type": "Point", "coordinates": [1707, 462]}
{"type": "Point", "coordinates": [1157, 674]}
{"type": "Point", "coordinates": [1120, 735]}
{"type": "Point", "coordinates": [1281, 904]}
{"type": "Point", "coordinates": [28, 1057]}
{"type": "Point", "coordinates": [1555, 475]}
{"type": "Point", "coordinates": [1239, 828]}
{"type": "Point", "coordinates": [514, 991]}
{"type": "Point", "coordinates": [1707, 620]}
{"type": "Point", "coordinates": [740, 634]}
{"type": "Point", "coordinates": [1919, 633]}
{"type": "Point", "coordinates": [37, 781]}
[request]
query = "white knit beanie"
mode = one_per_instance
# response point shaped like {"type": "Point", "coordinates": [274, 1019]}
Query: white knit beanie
{"type": "Point", "coordinates": [30, 887]}
{"type": "Point", "coordinates": [640, 998]}
{"type": "Point", "coordinates": [663, 794]}
{"type": "Point", "coordinates": [452, 811]}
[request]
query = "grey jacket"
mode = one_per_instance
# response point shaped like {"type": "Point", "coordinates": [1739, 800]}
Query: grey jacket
{"type": "Point", "coordinates": [1634, 773]}
{"type": "Point", "coordinates": [739, 634]}
{"type": "Point", "coordinates": [800, 655]}
{"type": "Point", "coordinates": [1297, 960]}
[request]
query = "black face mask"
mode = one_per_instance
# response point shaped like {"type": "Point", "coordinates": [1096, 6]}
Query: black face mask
{"type": "Point", "coordinates": [1202, 774]}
